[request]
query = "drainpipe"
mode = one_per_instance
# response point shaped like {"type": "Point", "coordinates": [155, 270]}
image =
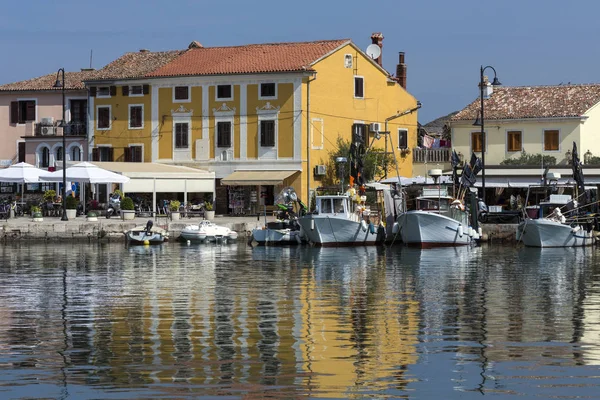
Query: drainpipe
{"type": "Point", "coordinates": [308, 81]}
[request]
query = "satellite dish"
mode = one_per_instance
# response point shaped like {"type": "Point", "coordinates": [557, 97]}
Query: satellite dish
{"type": "Point", "coordinates": [373, 51]}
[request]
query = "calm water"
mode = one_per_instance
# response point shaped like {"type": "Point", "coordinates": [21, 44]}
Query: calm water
{"type": "Point", "coordinates": [178, 321]}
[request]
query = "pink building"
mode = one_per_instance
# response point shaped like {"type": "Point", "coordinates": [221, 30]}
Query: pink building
{"type": "Point", "coordinates": [30, 115]}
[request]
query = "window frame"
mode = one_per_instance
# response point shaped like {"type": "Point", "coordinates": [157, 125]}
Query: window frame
{"type": "Point", "coordinates": [557, 140]}
{"type": "Point", "coordinates": [189, 94]}
{"type": "Point", "coordinates": [129, 125]}
{"type": "Point", "coordinates": [362, 79]}
{"type": "Point", "coordinates": [102, 96]}
{"type": "Point", "coordinates": [19, 106]}
{"type": "Point", "coordinates": [107, 148]}
{"type": "Point", "coordinates": [508, 142]}
{"type": "Point", "coordinates": [136, 146]}
{"type": "Point", "coordinates": [405, 136]}
{"type": "Point", "coordinates": [131, 94]}
{"type": "Point", "coordinates": [266, 97]}
{"type": "Point", "coordinates": [176, 134]}
{"type": "Point", "coordinates": [260, 128]}
{"type": "Point", "coordinates": [109, 107]}
{"type": "Point", "coordinates": [480, 142]}
{"type": "Point", "coordinates": [218, 134]}
{"type": "Point", "coordinates": [230, 98]}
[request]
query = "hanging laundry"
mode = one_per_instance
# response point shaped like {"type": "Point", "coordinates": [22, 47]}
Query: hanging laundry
{"type": "Point", "coordinates": [428, 141]}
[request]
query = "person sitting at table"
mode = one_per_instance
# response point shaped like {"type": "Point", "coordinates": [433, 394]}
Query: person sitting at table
{"type": "Point", "coordinates": [58, 199]}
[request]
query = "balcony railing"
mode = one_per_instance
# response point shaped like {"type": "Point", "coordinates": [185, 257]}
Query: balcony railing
{"type": "Point", "coordinates": [72, 129]}
{"type": "Point", "coordinates": [441, 155]}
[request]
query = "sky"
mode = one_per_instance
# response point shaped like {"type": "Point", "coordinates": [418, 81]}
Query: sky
{"type": "Point", "coordinates": [528, 42]}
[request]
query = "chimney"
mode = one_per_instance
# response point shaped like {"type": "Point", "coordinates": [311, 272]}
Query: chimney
{"type": "Point", "coordinates": [377, 38]}
{"type": "Point", "coordinates": [195, 45]}
{"type": "Point", "coordinates": [401, 71]}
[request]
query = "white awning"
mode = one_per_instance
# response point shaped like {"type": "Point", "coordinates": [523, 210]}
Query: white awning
{"type": "Point", "coordinates": [256, 177]}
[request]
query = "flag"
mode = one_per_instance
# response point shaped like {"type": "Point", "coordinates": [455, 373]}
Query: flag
{"type": "Point", "coordinates": [577, 172]}
{"type": "Point", "coordinates": [455, 160]}
{"type": "Point", "coordinates": [478, 166]}
{"type": "Point", "coordinates": [468, 178]}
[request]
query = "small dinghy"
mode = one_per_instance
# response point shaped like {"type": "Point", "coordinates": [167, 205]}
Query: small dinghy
{"type": "Point", "coordinates": [146, 234]}
{"type": "Point", "coordinates": [206, 231]}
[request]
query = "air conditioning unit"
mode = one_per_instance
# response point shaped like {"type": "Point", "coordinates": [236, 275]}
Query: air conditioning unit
{"type": "Point", "coordinates": [374, 127]}
{"type": "Point", "coordinates": [47, 121]}
{"type": "Point", "coordinates": [320, 170]}
{"type": "Point", "coordinates": [48, 130]}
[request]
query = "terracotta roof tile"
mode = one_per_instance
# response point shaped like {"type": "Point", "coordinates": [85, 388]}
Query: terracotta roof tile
{"type": "Point", "coordinates": [248, 59]}
{"type": "Point", "coordinates": [73, 81]}
{"type": "Point", "coordinates": [534, 102]}
{"type": "Point", "coordinates": [135, 65]}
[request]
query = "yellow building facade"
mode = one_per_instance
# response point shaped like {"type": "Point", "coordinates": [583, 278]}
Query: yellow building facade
{"type": "Point", "coordinates": [261, 117]}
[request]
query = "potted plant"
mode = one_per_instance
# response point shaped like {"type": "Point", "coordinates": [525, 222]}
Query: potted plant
{"type": "Point", "coordinates": [209, 213]}
{"type": "Point", "coordinates": [127, 208]}
{"type": "Point", "coordinates": [36, 214]}
{"type": "Point", "coordinates": [71, 207]}
{"type": "Point", "coordinates": [92, 216]}
{"type": "Point", "coordinates": [49, 196]}
{"type": "Point", "coordinates": [174, 207]}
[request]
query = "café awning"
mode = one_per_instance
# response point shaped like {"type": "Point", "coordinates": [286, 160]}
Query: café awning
{"type": "Point", "coordinates": [256, 177]}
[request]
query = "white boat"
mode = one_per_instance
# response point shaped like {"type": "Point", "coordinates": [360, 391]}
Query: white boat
{"type": "Point", "coordinates": [546, 226]}
{"type": "Point", "coordinates": [271, 235]}
{"type": "Point", "coordinates": [438, 220]}
{"type": "Point", "coordinates": [339, 221]}
{"type": "Point", "coordinates": [146, 234]}
{"type": "Point", "coordinates": [207, 231]}
{"type": "Point", "coordinates": [286, 229]}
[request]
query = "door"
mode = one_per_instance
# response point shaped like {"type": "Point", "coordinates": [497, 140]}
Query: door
{"type": "Point", "coordinates": [78, 117]}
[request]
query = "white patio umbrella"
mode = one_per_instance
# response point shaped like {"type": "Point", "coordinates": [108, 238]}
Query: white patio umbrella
{"type": "Point", "coordinates": [85, 172]}
{"type": "Point", "coordinates": [21, 173]}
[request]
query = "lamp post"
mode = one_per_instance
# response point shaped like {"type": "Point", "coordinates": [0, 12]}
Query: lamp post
{"type": "Point", "coordinates": [495, 82]}
{"type": "Point", "coordinates": [61, 84]}
{"type": "Point", "coordinates": [341, 169]}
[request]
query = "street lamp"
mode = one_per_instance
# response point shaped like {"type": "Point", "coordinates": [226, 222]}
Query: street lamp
{"type": "Point", "coordinates": [341, 169]}
{"type": "Point", "coordinates": [483, 85]}
{"type": "Point", "coordinates": [61, 84]}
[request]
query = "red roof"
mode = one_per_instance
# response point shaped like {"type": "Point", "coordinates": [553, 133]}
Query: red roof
{"type": "Point", "coordinates": [534, 102]}
{"type": "Point", "coordinates": [248, 59]}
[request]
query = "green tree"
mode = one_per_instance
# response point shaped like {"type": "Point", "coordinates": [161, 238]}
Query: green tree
{"type": "Point", "coordinates": [530, 159]}
{"type": "Point", "coordinates": [374, 164]}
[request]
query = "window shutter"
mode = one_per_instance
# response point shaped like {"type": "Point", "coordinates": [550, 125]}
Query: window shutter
{"type": "Point", "coordinates": [146, 89]}
{"type": "Point", "coordinates": [113, 90]}
{"type": "Point", "coordinates": [125, 90]}
{"type": "Point", "coordinates": [93, 90]}
{"type": "Point", "coordinates": [95, 154]}
{"type": "Point", "coordinates": [14, 112]}
{"type": "Point", "coordinates": [128, 154]}
{"type": "Point", "coordinates": [30, 111]}
{"type": "Point", "coordinates": [111, 154]}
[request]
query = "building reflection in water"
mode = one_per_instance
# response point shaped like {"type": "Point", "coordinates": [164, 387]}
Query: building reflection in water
{"type": "Point", "coordinates": [331, 322]}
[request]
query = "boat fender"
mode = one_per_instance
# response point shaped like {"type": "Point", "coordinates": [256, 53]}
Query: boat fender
{"type": "Point", "coordinates": [372, 228]}
{"type": "Point", "coordinates": [312, 224]}
{"type": "Point", "coordinates": [471, 231]}
{"type": "Point", "coordinates": [363, 225]}
{"type": "Point", "coordinates": [460, 230]}
{"type": "Point", "coordinates": [395, 228]}
{"type": "Point", "coordinates": [518, 234]}
{"type": "Point", "coordinates": [576, 229]}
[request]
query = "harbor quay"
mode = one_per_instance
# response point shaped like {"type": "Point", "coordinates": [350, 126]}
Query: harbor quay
{"type": "Point", "coordinates": [80, 229]}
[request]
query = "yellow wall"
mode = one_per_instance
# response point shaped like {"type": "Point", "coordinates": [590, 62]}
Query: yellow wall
{"type": "Point", "coordinates": [120, 136]}
{"type": "Point", "coordinates": [589, 131]}
{"type": "Point", "coordinates": [332, 100]}
{"type": "Point", "coordinates": [214, 104]}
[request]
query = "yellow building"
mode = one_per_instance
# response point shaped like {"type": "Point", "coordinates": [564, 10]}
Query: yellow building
{"type": "Point", "coordinates": [259, 116]}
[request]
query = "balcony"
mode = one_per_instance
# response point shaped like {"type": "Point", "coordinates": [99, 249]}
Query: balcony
{"type": "Point", "coordinates": [439, 156]}
{"type": "Point", "coordinates": [72, 129]}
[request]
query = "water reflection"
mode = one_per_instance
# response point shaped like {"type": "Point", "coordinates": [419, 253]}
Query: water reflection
{"type": "Point", "coordinates": [188, 320]}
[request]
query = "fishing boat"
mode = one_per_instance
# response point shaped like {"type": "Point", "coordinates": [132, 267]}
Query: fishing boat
{"type": "Point", "coordinates": [286, 229]}
{"type": "Point", "coordinates": [438, 220]}
{"type": "Point", "coordinates": [146, 234]}
{"type": "Point", "coordinates": [207, 231]}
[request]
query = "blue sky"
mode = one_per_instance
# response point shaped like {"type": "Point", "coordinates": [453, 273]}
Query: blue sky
{"type": "Point", "coordinates": [533, 42]}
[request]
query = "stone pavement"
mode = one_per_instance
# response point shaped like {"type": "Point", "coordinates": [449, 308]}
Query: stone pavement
{"type": "Point", "coordinates": [52, 228]}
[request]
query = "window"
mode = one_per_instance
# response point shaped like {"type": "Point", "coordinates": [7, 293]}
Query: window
{"type": "Point", "coordinates": [476, 141]}
{"type": "Point", "coordinates": [136, 116]}
{"type": "Point", "coordinates": [22, 111]}
{"type": "Point", "coordinates": [45, 158]}
{"type": "Point", "coordinates": [359, 90]}
{"type": "Point", "coordinates": [181, 135]}
{"type": "Point", "coordinates": [402, 138]}
{"type": "Point", "coordinates": [338, 206]}
{"type": "Point", "coordinates": [75, 154]}
{"type": "Point", "coordinates": [268, 90]}
{"type": "Point", "coordinates": [326, 206]}
{"type": "Point", "coordinates": [267, 133]}
{"type": "Point", "coordinates": [223, 134]}
{"type": "Point", "coordinates": [551, 140]}
{"type": "Point", "coordinates": [513, 141]}
{"type": "Point", "coordinates": [59, 153]}
{"type": "Point", "coordinates": [136, 90]}
{"type": "Point", "coordinates": [181, 93]}
{"type": "Point", "coordinates": [103, 118]}
{"type": "Point", "coordinates": [359, 133]}
{"type": "Point", "coordinates": [103, 91]}
{"type": "Point", "coordinates": [105, 153]}
{"type": "Point", "coordinates": [133, 154]}
{"type": "Point", "coordinates": [224, 92]}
